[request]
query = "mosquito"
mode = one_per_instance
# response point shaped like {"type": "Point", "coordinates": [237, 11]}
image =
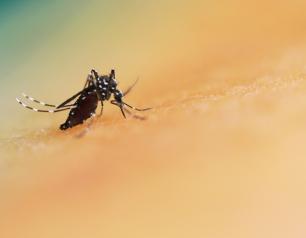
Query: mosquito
{"type": "Point", "coordinates": [83, 104]}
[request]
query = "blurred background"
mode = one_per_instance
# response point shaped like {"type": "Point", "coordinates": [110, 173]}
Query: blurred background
{"type": "Point", "coordinates": [221, 155]}
{"type": "Point", "coordinates": [48, 48]}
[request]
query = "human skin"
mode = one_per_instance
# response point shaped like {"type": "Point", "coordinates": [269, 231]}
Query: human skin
{"type": "Point", "coordinates": [221, 154]}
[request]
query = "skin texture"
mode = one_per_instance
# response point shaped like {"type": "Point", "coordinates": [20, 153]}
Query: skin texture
{"type": "Point", "coordinates": [222, 154]}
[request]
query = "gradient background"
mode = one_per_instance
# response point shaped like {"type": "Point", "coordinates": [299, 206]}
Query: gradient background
{"type": "Point", "coordinates": [221, 155]}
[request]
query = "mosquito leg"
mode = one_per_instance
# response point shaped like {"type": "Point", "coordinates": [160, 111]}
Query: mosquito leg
{"type": "Point", "coordinates": [137, 109]}
{"type": "Point", "coordinates": [101, 112]}
{"type": "Point", "coordinates": [39, 110]}
{"type": "Point", "coordinates": [37, 101]}
{"type": "Point", "coordinates": [133, 115]}
{"type": "Point", "coordinates": [128, 111]}
{"type": "Point", "coordinates": [121, 108]}
{"type": "Point", "coordinates": [68, 105]}
{"type": "Point", "coordinates": [118, 105]}
{"type": "Point", "coordinates": [89, 80]}
{"type": "Point", "coordinates": [69, 99]}
{"type": "Point", "coordinates": [42, 103]}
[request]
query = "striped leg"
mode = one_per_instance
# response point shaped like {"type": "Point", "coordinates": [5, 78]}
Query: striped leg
{"type": "Point", "coordinates": [39, 110]}
{"type": "Point", "coordinates": [43, 103]}
{"type": "Point", "coordinates": [37, 101]}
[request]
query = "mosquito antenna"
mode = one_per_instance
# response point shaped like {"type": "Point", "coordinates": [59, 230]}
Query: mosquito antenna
{"type": "Point", "coordinates": [130, 88]}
